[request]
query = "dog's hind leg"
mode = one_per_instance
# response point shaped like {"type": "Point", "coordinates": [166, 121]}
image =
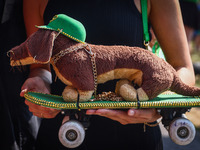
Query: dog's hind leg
{"type": "Point", "coordinates": [125, 89]}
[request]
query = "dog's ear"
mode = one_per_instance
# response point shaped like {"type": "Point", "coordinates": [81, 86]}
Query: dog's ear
{"type": "Point", "coordinates": [40, 45]}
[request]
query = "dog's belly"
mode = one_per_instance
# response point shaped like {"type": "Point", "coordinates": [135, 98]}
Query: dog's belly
{"type": "Point", "coordinates": [122, 73]}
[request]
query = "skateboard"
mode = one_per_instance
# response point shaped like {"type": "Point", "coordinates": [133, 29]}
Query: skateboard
{"type": "Point", "coordinates": [171, 106]}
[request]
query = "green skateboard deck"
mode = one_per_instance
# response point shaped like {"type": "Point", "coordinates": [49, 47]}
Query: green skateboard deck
{"type": "Point", "coordinates": [165, 100]}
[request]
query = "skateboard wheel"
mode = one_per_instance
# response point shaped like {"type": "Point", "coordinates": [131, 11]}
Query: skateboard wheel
{"type": "Point", "coordinates": [71, 134]}
{"type": "Point", "coordinates": [182, 131]}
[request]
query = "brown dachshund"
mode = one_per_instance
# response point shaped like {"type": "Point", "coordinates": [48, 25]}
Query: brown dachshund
{"type": "Point", "coordinates": [73, 65]}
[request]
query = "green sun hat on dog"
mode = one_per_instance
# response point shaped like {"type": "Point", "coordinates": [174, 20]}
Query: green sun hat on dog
{"type": "Point", "coordinates": [67, 26]}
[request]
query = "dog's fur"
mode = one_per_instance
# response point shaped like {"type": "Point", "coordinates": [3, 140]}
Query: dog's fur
{"type": "Point", "coordinates": [151, 73]}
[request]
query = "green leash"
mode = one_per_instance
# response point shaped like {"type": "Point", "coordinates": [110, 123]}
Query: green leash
{"type": "Point", "coordinates": [145, 22]}
{"type": "Point", "coordinates": [156, 49]}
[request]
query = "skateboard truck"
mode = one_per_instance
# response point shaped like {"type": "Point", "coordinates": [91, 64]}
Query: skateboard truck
{"type": "Point", "coordinates": [72, 132]}
{"type": "Point", "coordinates": [180, 129]}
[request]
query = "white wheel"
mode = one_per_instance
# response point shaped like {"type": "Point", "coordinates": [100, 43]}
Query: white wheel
{"type": "Point", "coordinates": [182, 131]}
{"type": "Point", "coordinates": [71, 134]}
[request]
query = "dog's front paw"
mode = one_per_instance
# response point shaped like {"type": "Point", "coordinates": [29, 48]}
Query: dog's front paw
{"type": "Point", "coordinates": [70, 94]}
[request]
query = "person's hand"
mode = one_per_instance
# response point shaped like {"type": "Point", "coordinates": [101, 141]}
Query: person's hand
{"type": "Point", "coordinates": [38, 82]}
{"type": "Point", "coordinates": [131, 116]}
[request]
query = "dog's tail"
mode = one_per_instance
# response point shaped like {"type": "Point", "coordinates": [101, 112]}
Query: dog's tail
{"type": "Point", "coordinates": [181, 88]}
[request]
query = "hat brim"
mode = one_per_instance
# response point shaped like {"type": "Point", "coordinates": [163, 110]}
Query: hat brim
{"type": "Point", "coordinates": [58, 30]}
{"type": "Point", "coordinates": [45, 27]}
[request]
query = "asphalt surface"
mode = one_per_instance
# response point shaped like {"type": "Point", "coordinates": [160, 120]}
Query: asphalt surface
{"type": "Point", "coordinates": [170, 145]}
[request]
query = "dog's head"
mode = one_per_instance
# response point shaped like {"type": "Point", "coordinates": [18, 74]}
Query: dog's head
{"type": "Point", "coordinates": [36, 49]}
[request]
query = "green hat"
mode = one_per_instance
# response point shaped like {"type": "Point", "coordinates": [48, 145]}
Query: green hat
{"type": "Point", "coordinates": [67, 26]}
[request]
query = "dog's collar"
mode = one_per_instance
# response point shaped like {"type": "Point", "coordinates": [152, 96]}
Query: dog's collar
{"type": "Point", "coordinates": [62, 53]}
